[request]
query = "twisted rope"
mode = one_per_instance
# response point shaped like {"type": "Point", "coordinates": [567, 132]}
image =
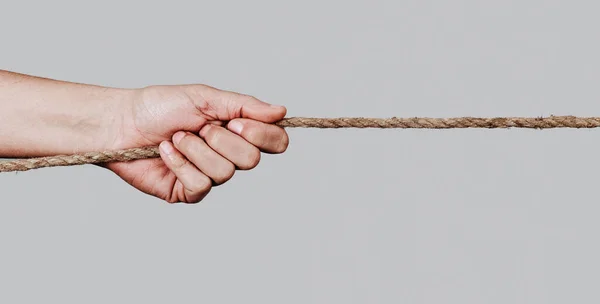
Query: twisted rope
{"type": "Point", "coordinates": [324, 123]}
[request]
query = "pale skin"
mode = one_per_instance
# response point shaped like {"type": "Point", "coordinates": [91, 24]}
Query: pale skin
{"type": "Point", "coordinates": [204, 134]}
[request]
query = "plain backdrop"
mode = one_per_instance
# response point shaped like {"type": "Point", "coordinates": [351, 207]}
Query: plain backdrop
{"type": "Point", "coordinates": [344, 216]}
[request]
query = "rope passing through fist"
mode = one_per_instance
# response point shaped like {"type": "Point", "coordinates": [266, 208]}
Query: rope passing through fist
{"type": "Point", "coordinates": [323, 123]}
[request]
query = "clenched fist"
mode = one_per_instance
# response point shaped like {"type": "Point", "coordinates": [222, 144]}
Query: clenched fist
{"type": "Point", "coordinates": [204, 135]}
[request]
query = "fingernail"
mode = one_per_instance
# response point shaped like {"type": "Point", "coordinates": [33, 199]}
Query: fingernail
{"type": "Point", "coordinates": [178, 136]}
{"type": "Point", "coordinates": [166, 147]}
{"type": "Point", "coordinates": [236, 126]}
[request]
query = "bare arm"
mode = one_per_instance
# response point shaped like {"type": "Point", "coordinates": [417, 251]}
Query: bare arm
{"type": "Point", "coordinates": [40, 116]}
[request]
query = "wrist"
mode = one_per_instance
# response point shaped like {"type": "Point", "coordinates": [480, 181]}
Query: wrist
{"type": "Point", "coordinates": [105, 118]}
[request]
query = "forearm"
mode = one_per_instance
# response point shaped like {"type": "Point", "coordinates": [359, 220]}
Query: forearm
{"type": "Point", "coordinates": [40, 117]}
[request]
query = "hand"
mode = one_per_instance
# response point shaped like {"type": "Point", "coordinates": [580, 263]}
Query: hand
{"type": "Point", "coordinates": [204, 135]}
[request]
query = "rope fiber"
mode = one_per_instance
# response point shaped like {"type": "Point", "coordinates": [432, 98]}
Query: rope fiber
{"type": "Point", "coordinates": [323, 123]}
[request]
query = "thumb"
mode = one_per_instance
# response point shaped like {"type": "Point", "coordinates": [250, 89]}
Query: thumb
{"type": "Point", "coordinates": [227, 105]}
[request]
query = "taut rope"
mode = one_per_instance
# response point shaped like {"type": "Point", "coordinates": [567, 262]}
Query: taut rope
{"type": "Point", "coordinates": [326, 123]}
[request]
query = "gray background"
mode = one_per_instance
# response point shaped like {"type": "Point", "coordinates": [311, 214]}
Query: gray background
{"type": "Point", "coordinates": [345, 216]}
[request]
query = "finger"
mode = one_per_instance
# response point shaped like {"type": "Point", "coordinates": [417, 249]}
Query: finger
{"type": "Point", "coordinates": [231, 146]}
{"type": "Point", "coordinates": [227, 105]}
{"type": "Point", "coordinates": [267, 137]}
{"type": "Point", "coordinates": [196, 185]}
{"type": "Point", "coordinates": [209, 162]}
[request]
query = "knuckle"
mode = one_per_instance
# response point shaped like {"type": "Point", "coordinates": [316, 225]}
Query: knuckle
{"type": "Point", "coordinates": [284, 142]}
{"type": "Point", "coordinates": [253, 135]}
{"type": "Point", "coordinates": [225, 175]}
{"type": "Point", "coordinates": [184, 141]}
{"type": "Point", "coordinates": [252, 159]}
{"type": "Point", "coordinates": [189, 144]}
{"type": "Point", "coordinates": [202, 185]}
{"type": "Point", "coordinates": [195, 197]}
{"type": "Point", "coordinates": [213, 136]}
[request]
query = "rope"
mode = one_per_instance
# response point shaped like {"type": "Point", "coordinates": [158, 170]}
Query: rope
{"type": "Point", "coordinates": [324, 123]}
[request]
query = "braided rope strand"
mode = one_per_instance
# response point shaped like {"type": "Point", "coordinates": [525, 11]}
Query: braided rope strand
{"type": "Point", "coordinates": [323, 123]}
{"type": "Point", "coordinates": [443, 123]}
